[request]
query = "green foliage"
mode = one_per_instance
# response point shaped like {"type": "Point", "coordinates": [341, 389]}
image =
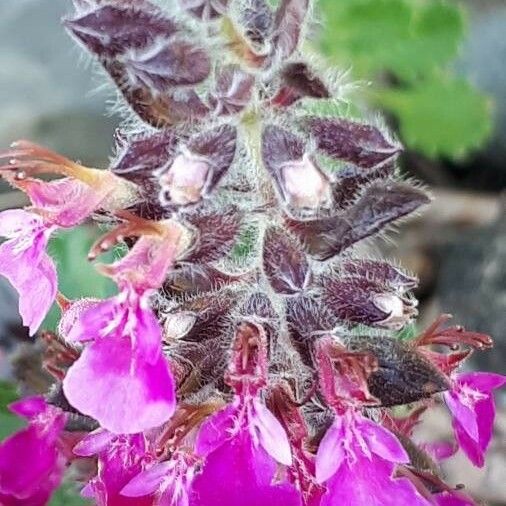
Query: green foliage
{"type": "Point", "coordinates": [8, 422]}
{"type": "Point", "coordinates": [67, 495]}
{"type": "Point", "coordinates": [405, 48]}
{"type": "Point", "coordinates": [435, 118]}
{"type": "Point", "coordinates": [399, 36]}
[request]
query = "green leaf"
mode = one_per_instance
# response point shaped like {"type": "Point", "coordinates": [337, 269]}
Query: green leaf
{"type": "Point", "coordinates": [403, 37]}
{"type": "Point", "coordinates": [438, 29]}
{"type": "Point", "coordinates": [9, 423]}
{"type": "Point", "coordinates": [440, 117]}
{"type": "Point", "coordinates": [67, 495]}
{"type": "Point", "coordinates": [8, 394]}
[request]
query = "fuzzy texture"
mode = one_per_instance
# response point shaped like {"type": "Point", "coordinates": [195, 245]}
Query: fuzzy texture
{"type": "Point", "coordinates": [250, 356]}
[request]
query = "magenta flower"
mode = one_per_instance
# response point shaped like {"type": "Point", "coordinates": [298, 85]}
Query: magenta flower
{"type": "Point", "coordinates": [64, 202]}
{"type": "Point", "coordinates": [23, 258]}
{"type": "Point", "coordinates": [126, 315]}
{"type": "Point", "coordinates": [120, 458]}
{"type": "Point", "coordinates": [132, 386]}
{"type": "Point", "coordinates": [27, 266]}
{"type": "Point", "coordinates": [169, 481]}
{"type": "Point", "coordinates": [356, 460]}
{"type": "Point", "coordinates": [244, 443]}
{"type": "Point", "coordinates": [31, 465]}
{"type": "Point", "coordinates": [472, 407]}
{"type": "Point", "coordinates": [124, 392]}
{"type": "Point", "coordinates": [452, 498]}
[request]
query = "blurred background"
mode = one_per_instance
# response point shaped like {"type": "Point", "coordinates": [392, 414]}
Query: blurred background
{"type": "Point", "coordinates": [435, 69]}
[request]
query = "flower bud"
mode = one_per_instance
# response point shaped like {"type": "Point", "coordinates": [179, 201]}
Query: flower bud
{"type": "Point", "coordinates": [185, 180]}
{"type": "Point", "coordinates": [199, 166]}
{"type": "Point", "coordinates": [362, 301]}
{"type": "Point", "coordinates": [300, 182]}
{"type": "Point", "coordinates": [382, 203]}
{"type": "Point", "coordinates": [285, 265]}
{"type": "Point", "coordinates": [362, 145]}
{"type": "Point", "coordinates": [404, 375]}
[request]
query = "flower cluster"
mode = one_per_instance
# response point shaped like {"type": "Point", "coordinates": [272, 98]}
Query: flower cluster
{"type": "Point", "coordinates": [250, 355]}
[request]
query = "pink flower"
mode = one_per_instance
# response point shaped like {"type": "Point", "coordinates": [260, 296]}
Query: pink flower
{"type": "Point", "coordinates": [23, 258]}
{"type": "Point", "coordinates": [452, 498]}
{"type": "Point", "coordinates": [170, 481]}
{"type": "Point", "coordinates": [356, 460]}
{"type": "Point", "coordinates": [122, 391]}
{"type": "Point", "coordinates": [31, 465]}
{"type": "Point", "coordinates": [243, 445]}
{"type": "Point", "coordinates": [471, 404]}
{"type": "Point", "coordinates": [27, 266]}
{"type": "Point", "coordinates": [120, 458]}
{"type": "Point", "coordinates": [126, 315]}
{"type": "Point", "coordinates": [130, 386]}
{"type": "Point", "coordinates": [62, 203]}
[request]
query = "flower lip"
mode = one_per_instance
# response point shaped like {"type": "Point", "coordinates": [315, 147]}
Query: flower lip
{"type": "Point", "coordinates": [471, 404]}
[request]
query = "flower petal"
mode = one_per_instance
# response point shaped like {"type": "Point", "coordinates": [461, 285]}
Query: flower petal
{"type": "Point", "coordinates": [18, 222]}
{"type": "Point", "coordinates": [38, 295]}
{"type": "Point", "coordinates": [485, 414]}
{"type": "Point", "coordinates": [238, 473]}
{"type": "Point", "coordinates": [33, 274]}
{"type": "Point", "coordinates": [124, 393]}
{"type": "Point", "coordinates": [271, 434]}
{"type": "Point", "coordinates": [475, 448]}
{"type": "Point", "coordinates": [70, 326]}
{"type": "Point", "coordinates": [22, 477]}
{"type": "Point", "coordinates": [369, 482]}
{"type": "Point", "coordinates": [482, 381]}
{"type": "Point", "coordinates": [468, 445]}
{"type": "Point", "coordinates": [440, 450]}
{"type": "Point", "coordinates": [463, 415]}
{"type": "Point", "coordinates": [382, 442]}
{"type": "Point", "coordinates": [215, 430]}
{"type": "Point", "coordinates": [148, 334]}
{"type": "Point", "coordinates": [147, 481]}
{"type": "Point", "coordinates": [64, 202]}
{"type": "Point", "coordinates": [145, 266]}
{"type": "Point", "coordinates": [94, 443]}
{"type": "Point", "coordinates": [330, 454]}
{"type": "Point", "coordinates": [452, 499]}
{"type": "Point", "coordinates": [98, 319]}
{"type": "Point", "coordinates": [29, 407]}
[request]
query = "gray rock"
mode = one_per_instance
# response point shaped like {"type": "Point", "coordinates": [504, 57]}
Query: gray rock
{"type": "Point", "coordinates": [483, 61]}
{"type": "Point", "coordinates": [472, 286]}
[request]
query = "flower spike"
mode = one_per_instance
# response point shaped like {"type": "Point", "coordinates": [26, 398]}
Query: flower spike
{"type": "Point", "coordinates": [249, 355]}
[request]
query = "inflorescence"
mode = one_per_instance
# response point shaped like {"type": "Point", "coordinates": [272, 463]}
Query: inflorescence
{"type": "Point", "coordinates": [250, 356]}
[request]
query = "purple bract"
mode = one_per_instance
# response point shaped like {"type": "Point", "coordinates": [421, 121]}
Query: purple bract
{"type": "Point", "coordinates": [250, 356]}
